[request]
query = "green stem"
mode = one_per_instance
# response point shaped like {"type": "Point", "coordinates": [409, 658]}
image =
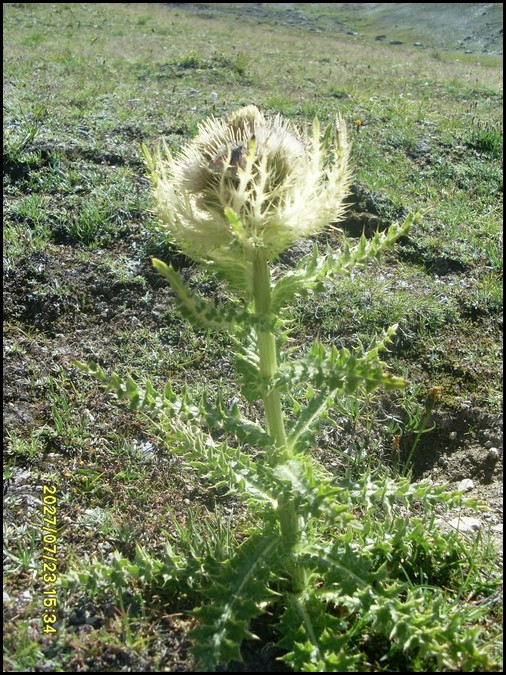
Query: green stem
{"type": "Point", "coordinates": [266, 340]}
{"type": "Point", "coordinates": [430, 404]}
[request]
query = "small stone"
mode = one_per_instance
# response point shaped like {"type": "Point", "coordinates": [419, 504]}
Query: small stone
{"type": "Point", "coordinates": [465, 524]}
{"type": "Point", "coordinates": [453, 435]}
{"type": "Point", "coordinates": [465, 485]}
{"type": "Point", "coordinates": [493, 454]}
{"type": "Point", "coordinates": [488, 444]}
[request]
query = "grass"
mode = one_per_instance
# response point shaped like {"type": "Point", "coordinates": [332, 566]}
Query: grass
{"type": "Point", "coordinates": [84, 85]}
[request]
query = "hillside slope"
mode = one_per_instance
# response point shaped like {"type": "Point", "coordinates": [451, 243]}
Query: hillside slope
{"type": "Point", "coordinates": [469, 26]}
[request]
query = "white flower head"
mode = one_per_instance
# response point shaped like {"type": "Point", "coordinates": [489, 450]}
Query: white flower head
{"type": "Point", "coordinates": [248, 186]}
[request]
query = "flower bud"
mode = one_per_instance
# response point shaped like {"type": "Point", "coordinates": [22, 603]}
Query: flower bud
{"type": "Point", "coordinates": [248, 186]}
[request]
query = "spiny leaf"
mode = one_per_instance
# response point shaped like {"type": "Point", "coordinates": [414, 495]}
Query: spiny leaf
{"type": "Point", "coordinates": [238, 591]}
{"type": "Point", "coordinates": [342, 568]}
{"type": "Point", "coordinates": [223, 466]}
{"type": "Point", "coordinates": [306, 426]}
{"type": "Point", "coordinates": [339, 370]}
{"type": "Point", "coordinates": [312, 270]}
{"type": "Point", "coordinates": [315, 640]}
{"type": "Point", "coordinates": [217, 416]}
{"type": "Point", "coordinates": [147, 400]}
{"type": "Point", "coordinates": [299, 280]}
{"type": "Point", "coordinates": [247, 366]}
{"type": "Point", "coordinates": [314, 492]}
{"type": "Point", "coordinates": [165, 573]}
{"type": "Point", "coordinates": [204, 313]}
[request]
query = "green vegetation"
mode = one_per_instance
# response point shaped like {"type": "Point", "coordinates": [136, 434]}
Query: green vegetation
{"type": "Point", "coordinates": [84, 86]}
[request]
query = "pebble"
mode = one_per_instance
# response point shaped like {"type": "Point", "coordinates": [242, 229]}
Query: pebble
{"type": "Point", "coordinates": [465, 524]}
{"type": "Point", "coordinates": [488, 444]}
{"type": "Point", "coordinates": [493, 453]}
{"type": "Point", "coordinates": [465, 485]}
{"type": "Point", "coordinates": [104, 546]}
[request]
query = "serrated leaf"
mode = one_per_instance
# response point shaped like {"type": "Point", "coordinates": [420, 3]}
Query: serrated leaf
{"type": "Point", "coordinates": [225, 466]}
{"type": "Point", "coordinates": [312, 489]}
{"type": "Point", "coordinates": [315, 640]}
{"type": "Point", "coordinates": [203, 313]}
{"type": "Point", "coordinates": [331, 372]}
{"type": "Point", "coordinates": [238, 591]}
{"type": "Point", "coordinates": [342, 567]}
{"type": "Point", "coordinates": [147, 400]}
{"type": "Point", "coordinates": [247, 367]}
{"type": "Point", "coordinates": [305, 427]}
{"type": "Point", "coordinates": [312, 270]}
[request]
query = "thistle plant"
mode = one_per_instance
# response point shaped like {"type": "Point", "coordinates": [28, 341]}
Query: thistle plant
{"type": "Point", "coordinates": [327, 559]}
